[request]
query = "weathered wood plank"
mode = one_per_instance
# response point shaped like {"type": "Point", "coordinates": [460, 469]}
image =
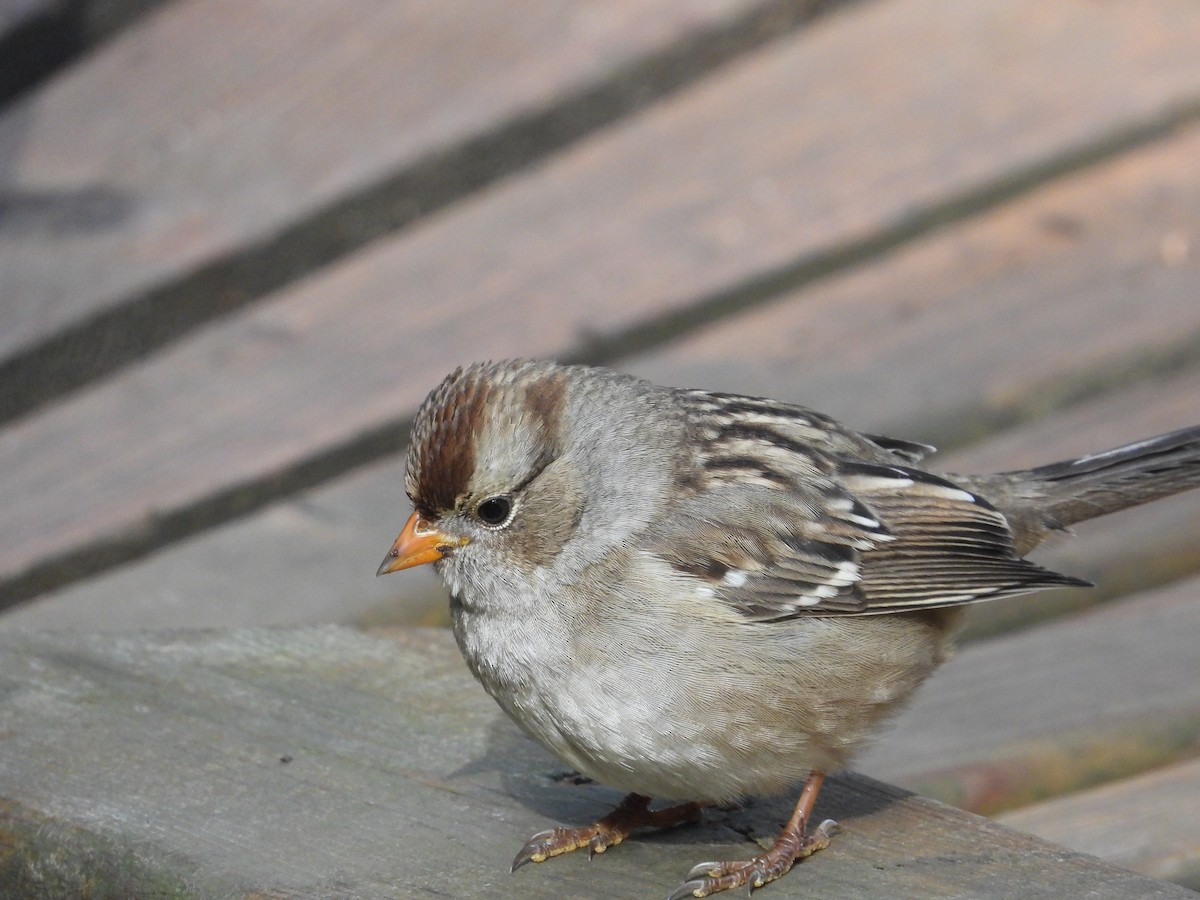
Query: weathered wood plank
{"type": "Point", "coordinates": [1150, 824]}
{"type": "Point", "coordinates": [1074, 289]}
{"type": "Point", "coordinates": [327, 763]}
{"type": "Point", "coordinates": [986, 733]}
{"type": "Point", "coordinates": [635, 222]}
{"type": "Point", "coordinates": [1096, 697]}
{"type": "Point", "coordinates": [309, 559]}
{"type": "Point", "coordinates": [259, 140]}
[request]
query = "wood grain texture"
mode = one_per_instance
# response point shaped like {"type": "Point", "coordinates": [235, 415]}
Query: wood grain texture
{"type": "Point", "coordinates": [641, 219]}
{"type": "Point", "coordinates": [312, 558]}
{"type": "Point", "coordinates": [216, 125]}
{"type": "Point", "coordinates": [498, 89]}
{"type": "Point", "coordinates": [1150, 824]}
{"type": "Point", "coordinates": [1069, 291]}
{"type": "Point", "coordinates": [1096, 697]}
{"type": "Point", "coordinates": [1092, 698]}
{"type": "Point", "coordinates": [322, 762]}
{"type": "Point", "coordinates": [308, 558]}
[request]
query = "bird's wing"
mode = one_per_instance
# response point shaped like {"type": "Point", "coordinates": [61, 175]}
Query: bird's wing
{"type": "Point", "coordinates": [869, 539]}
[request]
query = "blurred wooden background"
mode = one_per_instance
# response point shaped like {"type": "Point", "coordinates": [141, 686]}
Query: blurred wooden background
{"type": "Point", "coordinates": [239, 241]}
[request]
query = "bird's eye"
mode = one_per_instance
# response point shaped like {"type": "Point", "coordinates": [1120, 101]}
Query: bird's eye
{"type": "Point", "coordinates": [494, 510]}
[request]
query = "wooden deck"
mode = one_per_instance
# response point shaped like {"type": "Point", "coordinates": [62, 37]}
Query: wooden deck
{"type": "Point", "coordinates": [239, 241]}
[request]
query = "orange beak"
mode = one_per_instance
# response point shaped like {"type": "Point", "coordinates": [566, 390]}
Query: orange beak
{"type": "Point", "coordinates": [420, 542]}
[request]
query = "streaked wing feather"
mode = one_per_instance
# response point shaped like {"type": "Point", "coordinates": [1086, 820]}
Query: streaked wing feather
{"type": "Point", "coordinates": [801, 516]}
{"type": "Point", "coordinates": [772, 554]}
{"type": "Point", "coordinates": [904, 451]}
{"type": "Point", "coordinates": [951, 547]}
{"type": "Point", "coordinates": [880, 539]}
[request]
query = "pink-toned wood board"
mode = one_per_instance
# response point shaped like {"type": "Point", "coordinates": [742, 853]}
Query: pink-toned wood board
{"type": "Point", "coordinates": [637, 221]}
{"type": "Point", "coordinates": [214, 124]}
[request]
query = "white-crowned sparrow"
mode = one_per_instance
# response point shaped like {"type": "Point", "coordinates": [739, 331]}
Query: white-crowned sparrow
{"type": "Point", "coordinates": [703, 596]}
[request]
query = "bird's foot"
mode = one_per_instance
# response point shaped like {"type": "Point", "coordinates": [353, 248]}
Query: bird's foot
{"type": "Point", "coordinates": [633, 812]}
{"type": "Point", "coordinates": [712, 877]}
{"type": "Point", "coordinates": [793, 843]}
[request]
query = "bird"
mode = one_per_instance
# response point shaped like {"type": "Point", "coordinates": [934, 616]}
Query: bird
{"type": "Point", "coordinates": [701, 597]}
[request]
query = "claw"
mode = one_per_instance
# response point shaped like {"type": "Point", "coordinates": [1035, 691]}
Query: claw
{"type": "Point", "coordinates": [712, 867]}
{"type": "Point", "coordinates": [692, 888]}
{"type": "Point", "coordinates": [535, 850]}
{"type": "Point", "coordinates": [521, 859]}
{"type": "Point", "coordinates": [596, 845]}
{"type": "Point", "coordinates": [829, 828]}
{"type": "Point", "coordinates": [757, 879]}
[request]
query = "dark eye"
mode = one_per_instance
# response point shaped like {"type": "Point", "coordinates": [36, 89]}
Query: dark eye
{"type": "Point", "coordinates": [494, 510]}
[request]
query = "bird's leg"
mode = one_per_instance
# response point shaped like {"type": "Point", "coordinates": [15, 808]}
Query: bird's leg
{"type": "Point", "coordinates": [633, 812]}
{"type": "Point", "coordinates": [792, 844]}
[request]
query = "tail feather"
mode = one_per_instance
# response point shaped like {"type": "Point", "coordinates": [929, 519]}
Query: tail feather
{"type": "Point", "coordinates": [1101, 483]}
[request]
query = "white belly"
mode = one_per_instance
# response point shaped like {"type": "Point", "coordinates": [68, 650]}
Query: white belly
{"type": "Point", "coordinates": [661, 712]}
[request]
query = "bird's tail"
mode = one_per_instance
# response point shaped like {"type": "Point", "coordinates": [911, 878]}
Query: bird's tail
{"type": "Point", "coordinates": [1101, 483]}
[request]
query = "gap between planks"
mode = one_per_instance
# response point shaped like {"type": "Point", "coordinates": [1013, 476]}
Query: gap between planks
{"type": "Point", "coordinates": [151, 318]}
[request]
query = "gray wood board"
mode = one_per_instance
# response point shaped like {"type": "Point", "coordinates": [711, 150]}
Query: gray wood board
{"type": "Point", "coordinates": [155, 763]}
{"type": "Point", "coordinates": [1091, 697]}
{"type": "Point", "coordinates": [1150, 823]}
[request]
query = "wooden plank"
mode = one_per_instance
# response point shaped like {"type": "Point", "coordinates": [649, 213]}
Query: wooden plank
{"type": "Point", "coordinates": [637, 221]}
{"type": "Point", "coordinates": [309, 558]}
{"type": "Point", "coordinates": [986, 733]}
{"type": "Point", "coordinates": [323, 762]}
{"type": "Point", "coordinates": [1071, 704]}
{"type": "Point", "coordinates": [259, 140]}
{"type": "Point", "coordinates": [1072, 290]}
{"type": "Point", "coordinates": [1148, 824]}
{"type": "Point", "coordinates": [312, 558]}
